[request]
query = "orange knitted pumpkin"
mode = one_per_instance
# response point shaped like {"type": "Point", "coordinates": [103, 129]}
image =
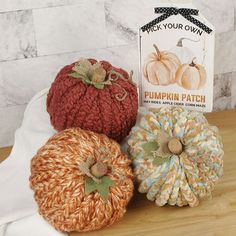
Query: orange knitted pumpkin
{"type": "Point", "coordinates": [82, 181]}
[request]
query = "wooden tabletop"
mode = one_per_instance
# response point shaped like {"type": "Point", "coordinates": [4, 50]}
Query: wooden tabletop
{"type": "Point", "coordinates": [4, 153]}
{"type": "Point", "coordinates": [211, 217]}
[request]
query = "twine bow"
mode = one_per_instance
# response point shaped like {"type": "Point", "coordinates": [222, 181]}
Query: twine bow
{"type": "Point", "coordinates": [169, 11]}
{"type": "Point", "coordinates": [95, 75]}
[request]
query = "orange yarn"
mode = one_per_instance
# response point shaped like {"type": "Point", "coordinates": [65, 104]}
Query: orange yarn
{"type": "Point", "coordinates": [59, 185]}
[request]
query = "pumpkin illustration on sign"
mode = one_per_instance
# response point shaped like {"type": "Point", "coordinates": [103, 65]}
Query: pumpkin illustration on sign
{"type": "Point", "coordinates": [191, 76]}
{"type": "Point", "coordinates": [184, 54]}
{"type": "Point", "coordinates": [82, 181]}
{"type": "Point", "coordinates": [160, 67]}
{"type": "Point", "coordinates": [94, 96]}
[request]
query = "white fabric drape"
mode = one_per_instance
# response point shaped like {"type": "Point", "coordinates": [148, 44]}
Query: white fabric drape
{"type": "Point", "coordinates": [18, 210]}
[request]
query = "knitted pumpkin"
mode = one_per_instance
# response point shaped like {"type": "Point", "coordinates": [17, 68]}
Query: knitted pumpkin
{"type": "Point", "coordinates": [177, 156]}
{"type": "Point", "coordinates": [81, 181]}
{"type": "Point", "coordinates": [93, 96]}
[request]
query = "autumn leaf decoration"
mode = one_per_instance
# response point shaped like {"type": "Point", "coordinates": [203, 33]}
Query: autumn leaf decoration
{"type": "Point", "coordinates": [102, 187]}
{"type": "Point", "coordinates": [162, 149]}
{"type": "Point", "coordinates": [90, 74]}
{"type": "Point", "coordinates": [96, 177]}
{"type": "Point", "coordinates": [97, 76]}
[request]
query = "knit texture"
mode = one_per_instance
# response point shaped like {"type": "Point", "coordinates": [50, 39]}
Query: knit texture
{"type": "Point", "coordinates": [59, 184]}
{"type": "Point", "coordinates": [176, 179]}
{"type": "Point", "coordinates": [71, 103]}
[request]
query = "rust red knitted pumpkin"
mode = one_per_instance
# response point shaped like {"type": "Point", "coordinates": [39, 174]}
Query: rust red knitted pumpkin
{"type": "Point", "coordinates": [93, 96]}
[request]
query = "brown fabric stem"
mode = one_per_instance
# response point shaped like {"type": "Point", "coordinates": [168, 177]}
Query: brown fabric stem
{"type": "Point", "coordinates": [85, 169]}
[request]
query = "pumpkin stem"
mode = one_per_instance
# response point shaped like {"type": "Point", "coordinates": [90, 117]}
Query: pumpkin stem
{"type": "Point", "coordinates": [99, 75]}
{"type": "Point", "coordinates": [86, 168]}
{"type": "Point", "coordinates": [193, 63]}
{"type": "Point", "coordinates": [157, 51]}
{"type": "Point", "coordinates": [99, 169]}
{"type": "Point", "coordinates": [180, 42]}
{"type": "Point", "coordinates": [175, 146]}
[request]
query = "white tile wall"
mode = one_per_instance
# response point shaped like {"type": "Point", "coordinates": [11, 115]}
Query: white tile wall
{"type": "Point", "coordinates": [2, 90]}
{"type": "Point", "coordinates": [219, 13]}
{"type": "Point", "coordinates": [233, 90]}
{"type": "Point", "coordinates": [28, 77]}
{"type": "Point", "coordinates": [37, 38]}
{"type": "Point", "coordinates": [124, 17]}
{"type": "Point", "coordinates": [14, 5]}
{"type": "Point", "coordinates": [222, 91]}
{"type": "Point", "coordinates": [70, 28]}
{"type": "Point", "coordinates": [17, 35]}
{"type": "Point", "coordinates": [225, 58]}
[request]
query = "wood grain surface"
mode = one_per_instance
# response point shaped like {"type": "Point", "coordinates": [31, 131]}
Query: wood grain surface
{"type": "Point", "coordinates": [216, 216]}
{"type": "Point", "coordinates": [4, 153]}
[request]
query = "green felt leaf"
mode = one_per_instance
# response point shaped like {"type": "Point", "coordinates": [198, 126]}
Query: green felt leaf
{"type": "Point", "coordinates": [149, 147]}
{"type": "Point", "coordinates": [75, 75]}
{"type": "Point", "coordinates": [87, 81]}
{"type": "Point", "coordinates": [83, 66]}
{"type": "Point", "coordinates": [159, 161]}
{"type": "Point", "coordinates": [80, 69]}
{"type": "Point", "coordinates": [85, 71]}
{"type": "Point", "coordinates": [98, 86]}
{"type": "Point", "coordinates": [81, 77]}
{"type": "Point", "coordinates": [102, 188]}
{"type": "Point", "coordinates": [89, 185]}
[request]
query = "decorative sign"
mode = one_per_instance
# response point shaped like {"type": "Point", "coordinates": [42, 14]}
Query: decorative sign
{"type": "Point", "coordinates": [177, 59]}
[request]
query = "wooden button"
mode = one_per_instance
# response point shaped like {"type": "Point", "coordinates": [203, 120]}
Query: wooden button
{"type": "Point", "coordinates": [99, 169]}
{"type": "Point", "coordinates": [175, 146]}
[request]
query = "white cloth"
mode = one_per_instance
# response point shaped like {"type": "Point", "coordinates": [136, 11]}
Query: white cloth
{"type": "Point", "coordinates": [33, 225]}
{"type": "Point", "coordinates": [18, 210]}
